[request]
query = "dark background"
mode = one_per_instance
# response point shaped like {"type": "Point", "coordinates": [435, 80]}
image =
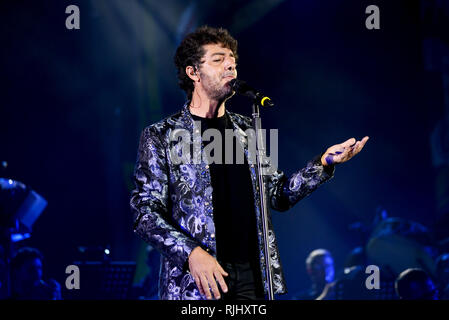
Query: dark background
{"type": "Point", "coordinates": [73, 104]}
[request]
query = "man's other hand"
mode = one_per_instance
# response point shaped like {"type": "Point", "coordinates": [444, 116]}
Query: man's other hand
{"type": "Point", "coordinates": [206, 271]}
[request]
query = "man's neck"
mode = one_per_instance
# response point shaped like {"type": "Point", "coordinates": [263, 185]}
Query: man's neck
{"type": "Point", "coordinates": [204, 107]}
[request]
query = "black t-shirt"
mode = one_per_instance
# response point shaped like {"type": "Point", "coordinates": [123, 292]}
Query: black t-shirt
{"type": "Point", "coordinates": [233, 200]}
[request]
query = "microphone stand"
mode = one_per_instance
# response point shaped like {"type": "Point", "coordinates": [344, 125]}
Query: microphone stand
{"type": "Point", "coordinates": [257, 124]}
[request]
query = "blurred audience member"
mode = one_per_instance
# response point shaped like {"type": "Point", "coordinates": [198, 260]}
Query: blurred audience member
{"type": "Point", "coordinates": [351, 284]}
{"type": "Point", "coordinates": [320, 268]}
{"type": "Point", "coordinates": [415, 284]}
{"type": "Point", "coordinates": [26, 277]}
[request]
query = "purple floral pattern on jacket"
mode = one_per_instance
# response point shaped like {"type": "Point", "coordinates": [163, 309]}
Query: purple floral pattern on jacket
{"type": "Point", "coordinates": [172, 203]}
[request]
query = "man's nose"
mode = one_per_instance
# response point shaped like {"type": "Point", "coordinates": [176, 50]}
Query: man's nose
{"type": "Point", "coordinates": [230, 64]}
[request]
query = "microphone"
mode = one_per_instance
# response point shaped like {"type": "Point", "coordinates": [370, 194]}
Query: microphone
{"type": "Point", "coordinates": [242, 88]}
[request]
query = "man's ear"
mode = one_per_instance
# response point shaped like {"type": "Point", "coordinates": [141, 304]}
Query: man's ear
{"type": "Point", "coordinates": [192, 73]}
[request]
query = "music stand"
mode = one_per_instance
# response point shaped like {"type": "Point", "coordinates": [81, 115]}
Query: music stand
{"type": "Point", "coordinates": [103, 280]}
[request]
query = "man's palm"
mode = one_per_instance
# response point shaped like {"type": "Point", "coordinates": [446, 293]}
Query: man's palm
{"type": "Point", "coordinates": [342, 152]}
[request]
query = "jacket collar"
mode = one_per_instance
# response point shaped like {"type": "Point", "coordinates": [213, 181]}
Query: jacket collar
{"type": "Point", "coordinates": [241, 135]}
{"type": "Point", "coordinates": [188, 120]}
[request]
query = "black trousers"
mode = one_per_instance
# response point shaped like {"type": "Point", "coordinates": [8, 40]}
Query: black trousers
{"type": "Point", "coordinates": [244, 281]}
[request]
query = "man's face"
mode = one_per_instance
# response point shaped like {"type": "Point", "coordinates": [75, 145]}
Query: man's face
{"type": "Point", "coordinates": [216, 70]}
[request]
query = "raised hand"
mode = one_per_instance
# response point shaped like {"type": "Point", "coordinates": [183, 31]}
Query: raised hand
{"type": "Point", "coordinates": [342, 152]}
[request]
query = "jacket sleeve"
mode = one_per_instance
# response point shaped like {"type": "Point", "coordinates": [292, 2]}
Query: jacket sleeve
{"type": "Point", "coordinates": [285, 192]}
{"type": "Point", "coordinates": [150, 202]}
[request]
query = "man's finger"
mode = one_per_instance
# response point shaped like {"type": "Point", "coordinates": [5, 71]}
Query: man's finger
{"type": "Point", "coordinates": [222, 271]}
{"type": "Point", "coordinates": [205, 286]}
{"type": "Point", "coordinates": [213, 285]}
{"type": "Point", "coordinates": [354, 149]}
{"type": "Point", "coordinates": [348, 143]}
{"type": "Point", "coordinates": [358, 147]}
{"type": "Point", "coordinates": [360, 144]}
{"type": "Point", "coordinates": [364, 140]}
{"type": "Point", "coordinates": [198, 284]}
{"type": "Point", "coordinates": [221, 281]}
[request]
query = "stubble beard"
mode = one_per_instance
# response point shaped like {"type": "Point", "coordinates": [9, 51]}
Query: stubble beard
{"type": "Point", "coordinates": [216, 91]}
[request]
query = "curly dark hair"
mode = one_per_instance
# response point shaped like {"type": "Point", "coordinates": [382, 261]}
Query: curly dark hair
{"type": "Point", "coordinates": [190, 52]}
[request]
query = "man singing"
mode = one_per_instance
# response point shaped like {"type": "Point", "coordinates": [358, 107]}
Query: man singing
{"type": "Point", "coordinates": [204, 217]}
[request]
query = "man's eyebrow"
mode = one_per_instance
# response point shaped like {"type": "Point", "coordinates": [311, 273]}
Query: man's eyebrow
{"type": "Point", "coordinates": [221, 54]}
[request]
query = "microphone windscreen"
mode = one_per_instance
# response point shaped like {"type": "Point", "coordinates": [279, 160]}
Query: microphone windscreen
{"type": "Point", "coordinates": [241, 87]}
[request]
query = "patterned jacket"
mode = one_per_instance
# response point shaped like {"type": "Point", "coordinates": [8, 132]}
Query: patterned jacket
{"type": "Point", "coordinates": [172, 202]}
